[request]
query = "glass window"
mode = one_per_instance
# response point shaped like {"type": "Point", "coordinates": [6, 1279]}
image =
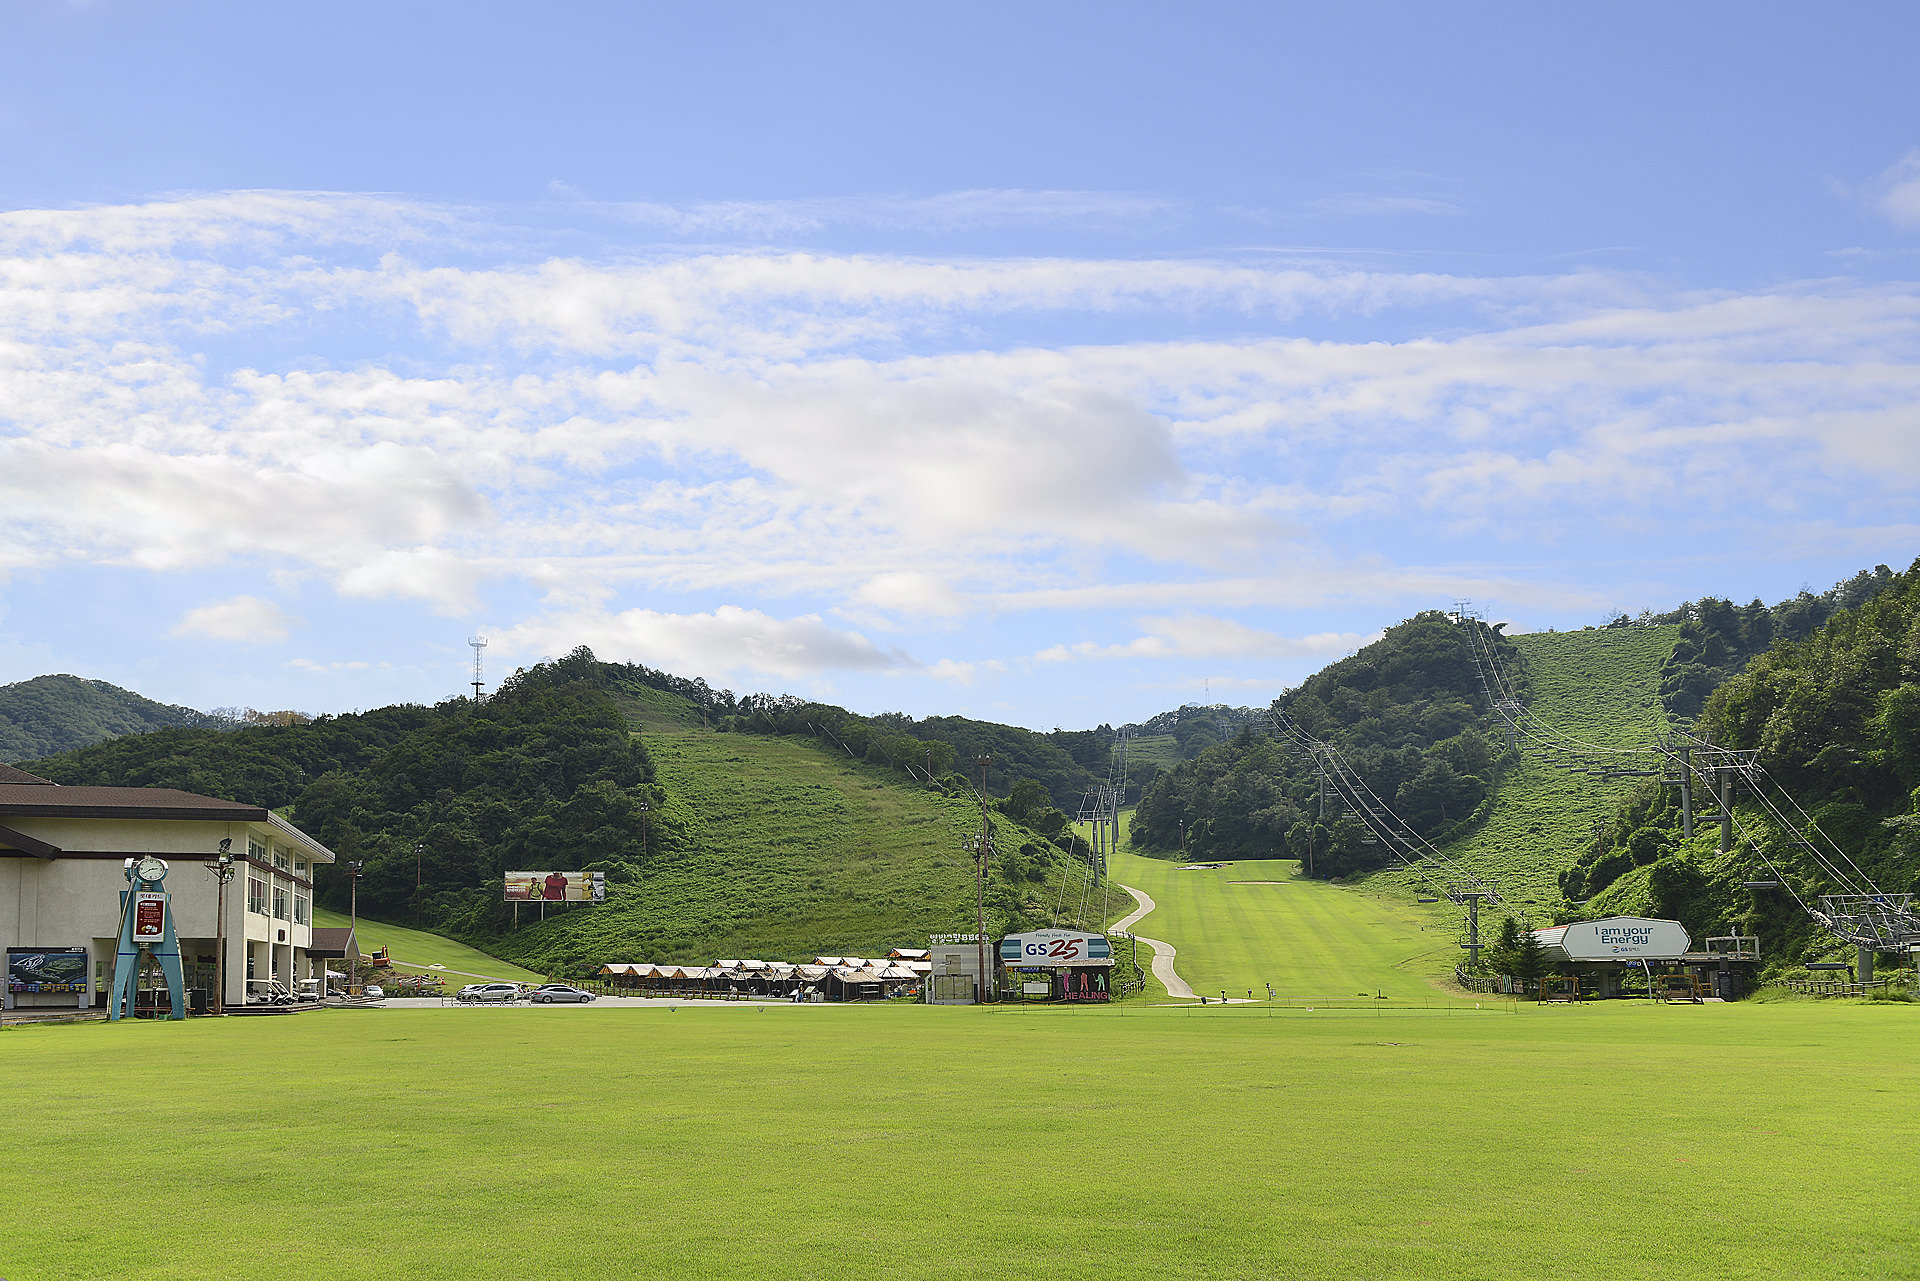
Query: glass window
{"type": "Point", "coordinates": [280, 859]}
{"type": "Point", "coordinates": [299, 909]}
{"type": "Point", "coordinates": [256, 895]}
{"type": "Point", "coordinates": [256, 851]}
{"type": "Point", "coordinates": [280, 902]}
{"type": "Point", "coordinates": [300, 866]}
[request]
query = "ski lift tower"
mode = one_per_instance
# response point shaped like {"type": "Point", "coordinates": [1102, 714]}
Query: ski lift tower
{"type": "Point", "coordinates": [1472, 894]}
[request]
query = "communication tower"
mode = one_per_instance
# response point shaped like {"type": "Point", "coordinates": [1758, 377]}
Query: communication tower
{"type": "Point", "coordinates": [479, 643]}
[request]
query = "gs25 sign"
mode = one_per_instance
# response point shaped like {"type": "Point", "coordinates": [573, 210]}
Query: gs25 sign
{"type": "Point", "coordinates": [1054, 947]}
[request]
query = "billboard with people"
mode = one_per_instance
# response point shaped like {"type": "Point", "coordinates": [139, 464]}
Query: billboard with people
{"type": "Point", "coordinates": [556, 887]}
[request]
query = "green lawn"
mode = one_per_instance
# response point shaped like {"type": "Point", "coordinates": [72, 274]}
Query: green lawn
{"type": "Point", "coordinates": [1306, 938]}
{"type": "Point", "coordinates": [420, 951]}
{"type": "Point", "coordinates": [1620, 1141]}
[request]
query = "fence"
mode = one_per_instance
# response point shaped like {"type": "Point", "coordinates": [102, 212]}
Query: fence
{"type": "Point", "coordinates": [1829, 987]}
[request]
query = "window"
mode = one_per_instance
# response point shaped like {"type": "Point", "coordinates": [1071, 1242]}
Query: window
{"type": "Point", "coordinates": [256, 851]}
{"type": "Point", "coordinates": [280, 902]}
{"type": "Point", "coordinates": [280, 859]}
{"type": "Point", "coordinates": [299, 867]}
{"type": "Point", "coordinates": [299, 909]}
{"type": "Point", "coordinates": [256, 895]}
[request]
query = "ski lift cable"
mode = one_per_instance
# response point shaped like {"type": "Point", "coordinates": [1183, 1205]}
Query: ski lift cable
{"type": "Point", "coordinates": [1485, 657]}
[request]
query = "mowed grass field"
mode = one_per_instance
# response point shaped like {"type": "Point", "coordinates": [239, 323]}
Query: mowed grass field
{"type": "Point", "coordinates": [1616, 1141]}
{"type": "Point", "coordinates": [1250, 924]}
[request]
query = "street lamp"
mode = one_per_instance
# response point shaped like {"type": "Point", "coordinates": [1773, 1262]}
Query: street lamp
{"type": "Point", "coordinates": [222, 868]}
{"type": "Point", "coordinates": [419, 855]}
{"type": "Point", "coordinates": [985, 848]}
{"type": "Point", "coordinates": [644, 807]}
{"type": "Point", "coordinates": [353, 921]}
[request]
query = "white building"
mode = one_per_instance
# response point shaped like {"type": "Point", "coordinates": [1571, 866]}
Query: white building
{"type": "Point", "coordinates": [62, 851]}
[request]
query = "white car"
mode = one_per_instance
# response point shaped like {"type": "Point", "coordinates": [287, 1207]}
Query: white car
{"type": "Point", "coordinates": [497, 992]}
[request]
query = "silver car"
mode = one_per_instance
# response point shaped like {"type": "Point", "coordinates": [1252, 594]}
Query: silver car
{"type": "Point", "coordinates": [548, 993]}
{"type": "Point", "coordinates": [488, 992]}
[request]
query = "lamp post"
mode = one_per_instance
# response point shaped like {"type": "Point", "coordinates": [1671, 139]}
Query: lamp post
{"type": "Point", "coordinates": [353, 922]}
{"type": "Point", "coordinates": [222, 868]}
{"type": "Point", "coordinates": [419, 856]}
{"type": "Point", "coordinates": [644, 824]}
{"type": "Point", "coordinates": [980, 879]}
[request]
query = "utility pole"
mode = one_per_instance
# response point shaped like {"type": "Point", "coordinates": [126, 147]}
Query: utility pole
{"type": "Point", "coordinates": [644, 824]}
{"type": "Point", "coordinates": [419, 858]}
{"type": "Point", "coordinates": [1726, 809]}
{"type": "Point", "coordinates": [353, 921]}
{"type": "Point", "coordinates": [222, 869]}
{"type": "Point", "coordinates": [980, 878]}
{"type": "Point", "coordinates": [1686, 793]}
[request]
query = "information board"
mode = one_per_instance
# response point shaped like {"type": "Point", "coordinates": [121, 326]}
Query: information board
{"type": "Point", "coordinates": [47, 969]}
{"type": "Point", "coordinates": [149, 916]}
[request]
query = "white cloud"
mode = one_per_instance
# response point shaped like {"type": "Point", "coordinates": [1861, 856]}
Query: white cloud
{"type": "Point", "coordinates": [942, 212]}
{"type": "Point", "coordinates": [857, 434]}
{"type": "Point", "coordinates": [247, 619]}
{"type": "Point", "coordinates": [1201, 636]}
{"type": "Point", "coordinates": [1896, 194]}
{"type": "Point", "coordinates": [727, 639]}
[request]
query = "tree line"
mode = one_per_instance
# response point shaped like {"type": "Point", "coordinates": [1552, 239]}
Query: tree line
{"type": "Point", "coordinates": [1403, 711]}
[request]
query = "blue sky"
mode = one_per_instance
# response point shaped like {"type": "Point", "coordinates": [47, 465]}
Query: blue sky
{"type": "Point", "coordinates": [1054, 364]}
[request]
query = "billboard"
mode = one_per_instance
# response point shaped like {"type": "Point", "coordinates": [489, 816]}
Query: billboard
{"type": "Point", "coordinates": [1055, 947]}
{"type": "Point", "coordinates": [47, 969]}
{"type": "Point", "coordinates": [556, 887]}
{"type": "Point", "coordinates": [1625, 938]}
{"type": "Point", "coordinates": [149, 917]}
{"type": "Point", "coordinates": [1083, 985]}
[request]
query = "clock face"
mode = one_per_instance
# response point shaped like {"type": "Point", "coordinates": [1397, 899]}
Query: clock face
{"type": "Point", "coordinates": [150, 869]}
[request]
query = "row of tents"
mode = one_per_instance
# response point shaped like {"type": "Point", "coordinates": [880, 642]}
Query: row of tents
{"type": "Point", "coordinates": [832, 978]}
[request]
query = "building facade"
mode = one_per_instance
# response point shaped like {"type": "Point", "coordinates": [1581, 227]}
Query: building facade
{"type": "Point", "coordinates": [62, 855]}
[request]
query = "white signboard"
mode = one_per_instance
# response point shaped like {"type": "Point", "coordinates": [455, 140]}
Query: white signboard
{"type": "Point", "coordinates": [1055, 947]}
{"type": "Point", "coordinates": [1625, 938]}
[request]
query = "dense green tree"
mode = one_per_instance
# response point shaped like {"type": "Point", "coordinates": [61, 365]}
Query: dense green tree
{"type": "Point", "coordinates": [1403, 712]}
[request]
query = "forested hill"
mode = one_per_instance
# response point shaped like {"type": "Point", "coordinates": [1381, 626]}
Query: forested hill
{"type": "Point", "coordinates": [1836, 720]}
{"type": "Point", "coordinates": [746, 844]}
{"type": "Point", "coordinates": [50, 714]}
{"type": "Point", "coordinates": [1407, 713]}
{"type": "Point", "coordinates": [1719, 638]}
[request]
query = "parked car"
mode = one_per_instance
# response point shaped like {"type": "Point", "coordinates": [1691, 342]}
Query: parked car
{"type": "Point", "coordinates": [548, 993]}
{"type": "Point", "coordinates": [488, 992]}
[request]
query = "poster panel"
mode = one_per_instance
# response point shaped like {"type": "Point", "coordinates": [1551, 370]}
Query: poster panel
{"type": "Point", "coordinates": [1084, 984]}
{"type": "Point", "coordinates": [150, 916]}
{"type": "Point", "coordinates": [47, 969]}
{"type": "Point", "coordinates": [556, 887]}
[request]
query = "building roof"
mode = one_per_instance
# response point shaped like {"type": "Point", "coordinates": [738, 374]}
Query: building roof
{"type": "Point", "coordinates": [8, 774]}
{"type": "Point", "coordinates": [40, 800]}
{"type": "Point", "coordinates": [333, 940]}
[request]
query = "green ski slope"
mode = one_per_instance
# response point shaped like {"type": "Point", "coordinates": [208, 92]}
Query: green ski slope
{"type": "Point", "coordinates": [1251, 924]}
{"type": "Point", "coordinates": [418, 951]}
{"type": "Point", "coordinates": [1598, 686]}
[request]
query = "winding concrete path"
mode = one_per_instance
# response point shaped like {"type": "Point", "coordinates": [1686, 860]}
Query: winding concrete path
{"type": "Point", "coordinates": [1163, 952]}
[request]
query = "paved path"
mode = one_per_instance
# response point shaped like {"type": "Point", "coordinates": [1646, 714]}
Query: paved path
{"type": "Point", "coordinates": [1163, 953]}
